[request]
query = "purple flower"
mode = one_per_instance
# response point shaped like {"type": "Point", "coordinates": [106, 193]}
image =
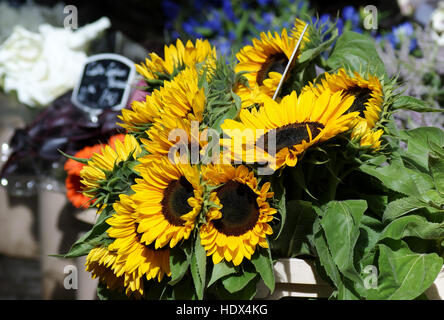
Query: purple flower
{"type": "Point", "coordinates": [231, 35]}
{"type": "Point", "coordinates": [268, 18]}
{"type": "Point", "coordinates": [224, 47]}
{"type": "Point", "coordinates": [228, 10]}
{"type": "Point", "coordinates": [351, 14]}
{"type": "Point", "coordinates": [403, 30]}
{"type": "Point", "coordinates": [214, 22]}
{"type": "Point", "coordinates": [189, 27]}
{"type": "Point", "coordinates": [171, 9]}
{"type": "Point", "coordinates": [263, 3]}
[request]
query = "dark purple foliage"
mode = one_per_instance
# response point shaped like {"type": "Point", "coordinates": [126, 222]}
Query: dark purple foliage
{"type": "Point", "coordinates": [61, 126]}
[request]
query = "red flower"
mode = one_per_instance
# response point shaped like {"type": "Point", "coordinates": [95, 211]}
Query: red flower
{"type": "Point", "coordinates": [74, 186]}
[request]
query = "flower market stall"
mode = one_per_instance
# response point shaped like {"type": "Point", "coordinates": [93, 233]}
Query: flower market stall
{"type": "Point", "coordinates": [266, 155]}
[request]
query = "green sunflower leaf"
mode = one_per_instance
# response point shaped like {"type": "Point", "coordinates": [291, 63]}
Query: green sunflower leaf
{"type": "Point", "coordinates": [235, 283]}
{"type": "Point", "coordinates": [413, 226]}
{"type": "Point", "coordinates": [356, 52]}
{"type": "Point", "coordinates": [312, 53]}
{"type": "Point", "coordinates": [95, 237]}
{"type": "Point", "coordinates": [325, 258]}
{"type": "Point", "coordinates": [436, 166]}
{"type": "Point", "coordinates": [279, 200]}
{"type": "Point", "coordinates": [247, 293]}
{"type": "Point", "coordinates": [80, 160]}
{"type": "Point", "coordinates": [221, 270]}
{"type": "Point", "coordinates": [340, 222]}
{"type": "Point", "coordinates": [402, 273]}
{"type": "Point", "coordinates": [400, 207]}
{"type": "Point", "coordinates": [198, 267]}
{"type": "Point", "coordinates": [400, 178]}
{"type": "Point", "coordinates": [179, 265]}
{"type": "Point", "coordinates": [421, 141]}
{"type": "Point", "coordinates": [263, 263]}
{"type": "Point", "coordinates": [413, 104]}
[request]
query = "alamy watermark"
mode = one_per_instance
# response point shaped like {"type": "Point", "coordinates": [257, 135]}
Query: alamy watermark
{"type": "Point", "coordinates": [71, 17]}
{"type": "Point", "coordinates": [71, 280]}
{"type": "Point", "coordinates": [371, 17]}
{"type": "Point", "coordinates": [371, 278]}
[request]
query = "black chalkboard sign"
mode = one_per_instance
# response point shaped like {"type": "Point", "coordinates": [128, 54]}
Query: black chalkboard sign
{"type": "Point", "coordinates": [105, 83]}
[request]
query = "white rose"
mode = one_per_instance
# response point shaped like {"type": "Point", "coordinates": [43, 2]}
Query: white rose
{"type": "Point", "coordinates": [42, 66]}
{"type": "Point", "coordinates": [437, 22]}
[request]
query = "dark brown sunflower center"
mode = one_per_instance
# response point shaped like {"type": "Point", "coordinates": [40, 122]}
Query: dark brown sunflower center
{"type": "Point", "coordinates": [174, 202]}
{"type": "Point", "coordinates": [291, 134]}
{"type": "Point", "coordinates": [240, 211]}
{"type": "Point", "coordinates": [276, 62]}
{"type": "Point", "coordinates": [362, 95]}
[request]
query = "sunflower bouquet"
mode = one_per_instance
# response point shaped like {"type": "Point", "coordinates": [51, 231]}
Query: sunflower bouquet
{"type": "Point", "coordinates": [289, 150]}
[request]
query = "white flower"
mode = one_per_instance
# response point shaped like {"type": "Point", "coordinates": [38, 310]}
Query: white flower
{"type": "Point", "coordinates": [42, 66]}
{"type": "Point", "coordinates": [407, 7]}
{"type": "Point", "coordinates": [437, 23]}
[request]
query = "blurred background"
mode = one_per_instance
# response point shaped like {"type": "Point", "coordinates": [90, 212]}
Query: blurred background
{"type": "Point", "coordinates": [43, 47]}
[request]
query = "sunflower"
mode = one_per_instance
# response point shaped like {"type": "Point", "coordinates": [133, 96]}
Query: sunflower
{"type": "Point", "coordinates": [183, 97]}
{"type": "Point", "coordinates": [296, 32]}
{"type": "Point", "coordinates": [265, 61]}
{"type": "Point", "coordinates": [102, 263]}
{"type": "Point", "coordinates": [176, 58]}
{"type": "Point", "coordinates": [168, 198]}
{"type": "Point", "coordinates": [139, 260]}
{"type": "Point", "coordinates": [180, 97]}
{"type": "Point", "coordinates": [367, 137]}
{"type": "Point", "coordinates": [141, 115]}
{"type": "Point", "coordinates": [241, 224]}
{"type": "Point", "coordinates": [73, 184]}
{"type": "Point", "coordinates": [368, 93]}
{"type": "Point", "coordinates": [101, 163]}
{"type": "Point", "coordinates": [295, 122]}
{"type": "Point", "coordinates": [170, 134]}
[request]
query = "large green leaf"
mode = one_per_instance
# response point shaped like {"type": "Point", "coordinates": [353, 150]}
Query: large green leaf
{"type": "Point", "coordinates": [345, 292]}
{"type": "Point", "coordinates": [341, 221]}
{"type": "Point", "coordinates": [179, 265]}
{"type": "Point", "coordinates": [370, 230]}
{"type": "Point", "coordinates": [400, 207]}
{"type": "Point", "coordinates": [95, 237]}
{"type": "Point", "coordinates": [436, 166]}
{"type": "Point", "coordinates": [413, 226]}
{"type": "Point", "coordinates": [263, 263]}
{"type": "Point", "coordinates": [198, 266]}
{"type": "Point", "coordinates": [356, 52]}
{"type": "Point", "coordinates": [247, 293]}
{"type": "Point", "coordinates": [400, 178]}
{"type": "Point", "coordinates": [403, 274]}
{"type": "Point", "coordinates": [235, 283]}
{"type": "Point", "coordinates": [411, 103]}
{"type": "Point", "coordinates": [325, 258]}
{"type": "Point", "coordinates": [221, 270]}
{"type": "Point", "coordinates": [419, 143]}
